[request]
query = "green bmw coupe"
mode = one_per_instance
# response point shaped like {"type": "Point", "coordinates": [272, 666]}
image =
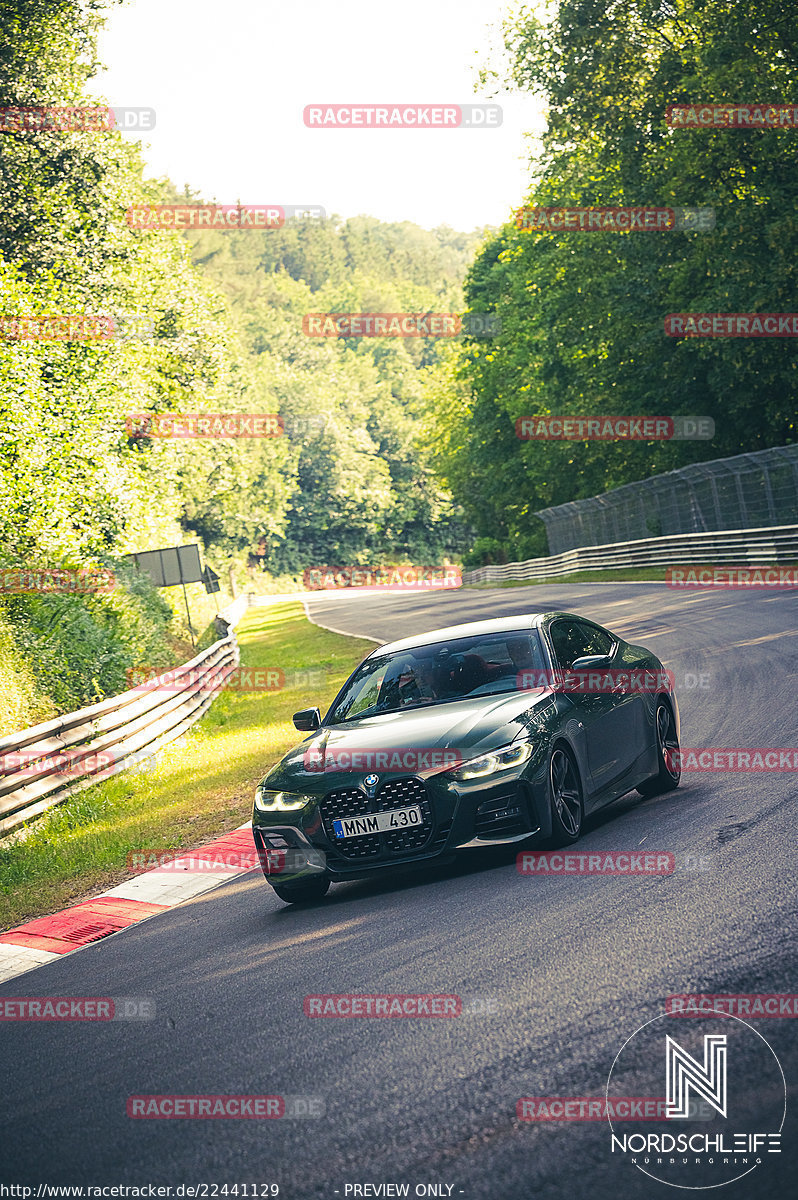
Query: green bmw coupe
{"type": "Point", "coordinates": [476, 735]}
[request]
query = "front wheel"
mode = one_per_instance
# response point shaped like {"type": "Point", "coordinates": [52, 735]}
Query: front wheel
{"type": "Point", "coordinates": [669, 771]}
{"type": "Point", "coordinates": [304, 890]}
{"type": "Point", "coordinates": [565, 793]}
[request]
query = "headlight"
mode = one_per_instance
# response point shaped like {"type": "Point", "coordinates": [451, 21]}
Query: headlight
{"type": "Point", "coordinates": [267, 801]}
{"type": "Point", "coordinates": [497, 760]}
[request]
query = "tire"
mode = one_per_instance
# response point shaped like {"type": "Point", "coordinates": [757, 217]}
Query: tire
{"type": "Point", "coordinates": [565, 798]}
{"type": "Point", "coordinates": [670, 771]}
{"type": "Point", "coordinates": [303, 891]}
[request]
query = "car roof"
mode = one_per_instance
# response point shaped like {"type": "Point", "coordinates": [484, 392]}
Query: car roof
{"type": "Point", "coordinates": [469, 629]}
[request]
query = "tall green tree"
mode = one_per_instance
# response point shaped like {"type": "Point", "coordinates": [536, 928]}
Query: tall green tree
{"type": "Point", "coordinates": [583, 313]}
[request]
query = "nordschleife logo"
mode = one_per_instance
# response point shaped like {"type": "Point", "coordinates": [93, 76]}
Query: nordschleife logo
{"type": "Point", "coordinates": [683, 1074]}
{"type": "Point", "coordinates": [725, 1101]}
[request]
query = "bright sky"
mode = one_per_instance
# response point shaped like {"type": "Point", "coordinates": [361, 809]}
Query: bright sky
{"type": "Point", "coordinates": [229, 80]}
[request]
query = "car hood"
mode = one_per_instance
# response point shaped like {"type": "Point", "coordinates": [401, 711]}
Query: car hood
{"type": "Point", "coordinates": [419, 741]}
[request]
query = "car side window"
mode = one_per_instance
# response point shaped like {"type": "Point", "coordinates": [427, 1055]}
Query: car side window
{"type": "Point", "coordinates": [576, 639]}
{"type": "Point", "coordinates": [596, 640]}
{"type": "Point", "coordinates": [368, 695]}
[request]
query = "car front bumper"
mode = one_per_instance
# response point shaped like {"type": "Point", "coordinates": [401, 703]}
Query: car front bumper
{"type": "Point", "coordinates": [458, 816]}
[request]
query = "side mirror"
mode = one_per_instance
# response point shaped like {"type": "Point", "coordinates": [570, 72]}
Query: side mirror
{"type": "Point", "coordinates": [591, 662]}
{"type": "Point", "coordinates": [307, 720]}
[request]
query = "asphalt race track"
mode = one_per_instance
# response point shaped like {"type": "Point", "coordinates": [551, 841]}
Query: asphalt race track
{"type": "Point", "coordinates": [557, 971]}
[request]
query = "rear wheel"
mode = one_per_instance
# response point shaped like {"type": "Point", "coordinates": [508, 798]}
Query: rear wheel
{"type": "Point", "coordinates": [565, 793]}
{"type": "Point", "coordinates": [303, 890]}
{"type": "Point", "coordinates": [670, 771]}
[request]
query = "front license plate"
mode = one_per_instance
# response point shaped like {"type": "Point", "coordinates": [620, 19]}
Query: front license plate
{"type": "Point", "coordinates": [384, 822]}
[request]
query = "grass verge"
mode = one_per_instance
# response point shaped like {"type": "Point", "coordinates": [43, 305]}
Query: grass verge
{"type": "Point", "coordinates": [196, 790]}
{"type": "Point", "coordinates": [619, 575]}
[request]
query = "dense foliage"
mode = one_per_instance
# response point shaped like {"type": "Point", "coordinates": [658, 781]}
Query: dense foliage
{"type": "Point", "coordinates": [583, 313]}
{"type": "Point", "coordinates": [361, 489]}
{"type": "Point", "coordinates": [395, 449]}
{"type": "Point", "coordinates": [216, 325]}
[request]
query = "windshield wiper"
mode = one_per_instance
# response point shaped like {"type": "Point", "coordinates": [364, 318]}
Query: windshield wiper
{"type": "Point", "coordinates": [494, 692]}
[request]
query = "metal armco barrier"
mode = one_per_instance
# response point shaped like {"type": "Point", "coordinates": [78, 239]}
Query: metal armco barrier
{"type": "Point", "coordinates": [775, 543]}
{"type": "Point", "coordinates": [42, 766]}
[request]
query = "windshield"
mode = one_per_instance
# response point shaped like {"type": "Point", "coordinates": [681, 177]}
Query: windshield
{"type": "Point", "coordinates": [440, 673]}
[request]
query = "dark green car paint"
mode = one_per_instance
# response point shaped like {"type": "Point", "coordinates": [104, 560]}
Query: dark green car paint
{"type": "Point", "coordinates": [611, 736]}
